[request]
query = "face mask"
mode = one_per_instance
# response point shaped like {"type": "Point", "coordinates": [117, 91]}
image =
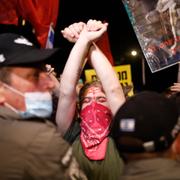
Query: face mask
{"type": "Point", "coordinates": [38, 104]}
{"type": "Point", "coordinates": [95, 123]}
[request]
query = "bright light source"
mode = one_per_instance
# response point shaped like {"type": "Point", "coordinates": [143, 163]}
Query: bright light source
{"type": "Point", "coordinates": [134, 53]}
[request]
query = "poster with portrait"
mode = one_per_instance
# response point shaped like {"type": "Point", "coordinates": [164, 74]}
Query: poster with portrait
{"type": "Point", "coordinates": [157, 26]}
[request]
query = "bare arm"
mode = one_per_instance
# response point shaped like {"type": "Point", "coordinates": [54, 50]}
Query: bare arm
{"type": "Point", "coordinates": [108, 78]}
{"type": "Point", "coordinates": [70, 76]}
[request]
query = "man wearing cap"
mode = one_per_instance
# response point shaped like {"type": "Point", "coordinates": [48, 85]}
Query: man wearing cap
{"type": "Point", "coordinates": [144, 129]}
{"type": "Point", "coordinates": [30, 146]}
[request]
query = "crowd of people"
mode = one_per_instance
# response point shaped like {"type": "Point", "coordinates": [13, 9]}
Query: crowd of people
{"type": "Point", "coordinates": [51, 128]}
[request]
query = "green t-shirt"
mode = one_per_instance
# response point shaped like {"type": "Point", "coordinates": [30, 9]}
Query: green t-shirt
{"type": "Point", "coordinates": [110, 168]}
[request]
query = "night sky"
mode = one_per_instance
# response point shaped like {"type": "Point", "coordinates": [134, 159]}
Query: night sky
{"type": "Point", "coordinates": [121, 36]}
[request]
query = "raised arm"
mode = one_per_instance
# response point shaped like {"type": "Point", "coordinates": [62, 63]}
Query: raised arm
{"type": "Point", "coordinates": [108, 78]}
{"type": "Point", "coordinates": [71, 74]}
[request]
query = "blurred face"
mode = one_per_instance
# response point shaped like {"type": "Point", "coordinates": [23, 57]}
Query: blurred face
{"type": "Point", "coordinates": [26, 79]}
{"type": "Point", "coordinates": [94, 94]}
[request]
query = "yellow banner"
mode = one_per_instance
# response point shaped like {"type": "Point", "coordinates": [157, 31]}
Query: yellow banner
{"type": "Point", "coordinates": [123, 73]}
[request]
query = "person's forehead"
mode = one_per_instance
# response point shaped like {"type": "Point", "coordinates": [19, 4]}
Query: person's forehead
{"type": "Point", "coordinates": [21, 70]}
{"type": "Point", "coordinates": [94, 90]}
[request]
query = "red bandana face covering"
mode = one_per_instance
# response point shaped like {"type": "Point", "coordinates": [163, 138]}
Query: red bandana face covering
{"type": "Point", "coordinates": [95, 124]}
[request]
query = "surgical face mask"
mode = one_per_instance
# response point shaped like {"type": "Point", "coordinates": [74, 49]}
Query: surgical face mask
{"type": "Point", "coordinates": [38, 104]}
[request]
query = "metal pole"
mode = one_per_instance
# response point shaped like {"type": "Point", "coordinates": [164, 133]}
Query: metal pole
{"type": "Point", "coordinates": [178, 75]}
{"type": "Point", "coordinates": [143, 71]}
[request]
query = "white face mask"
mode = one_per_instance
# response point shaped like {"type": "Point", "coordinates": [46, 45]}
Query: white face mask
{"type": "Point", "coordinates": [38, 104]}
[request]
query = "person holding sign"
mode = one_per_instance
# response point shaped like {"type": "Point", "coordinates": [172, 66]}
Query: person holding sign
{"type": "Point", "coordinates": [99, 101]}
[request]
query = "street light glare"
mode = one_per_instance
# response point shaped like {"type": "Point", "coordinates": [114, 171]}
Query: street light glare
{"type": "Point", "coordinates": [133, 53]}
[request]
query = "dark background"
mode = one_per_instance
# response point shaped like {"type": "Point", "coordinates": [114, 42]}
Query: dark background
{"type": "Point", "coordinates": [121, 36]}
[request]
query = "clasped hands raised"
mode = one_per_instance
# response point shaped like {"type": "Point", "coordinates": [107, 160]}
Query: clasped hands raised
{"type": "Point", "coordinates": [91, 30]}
